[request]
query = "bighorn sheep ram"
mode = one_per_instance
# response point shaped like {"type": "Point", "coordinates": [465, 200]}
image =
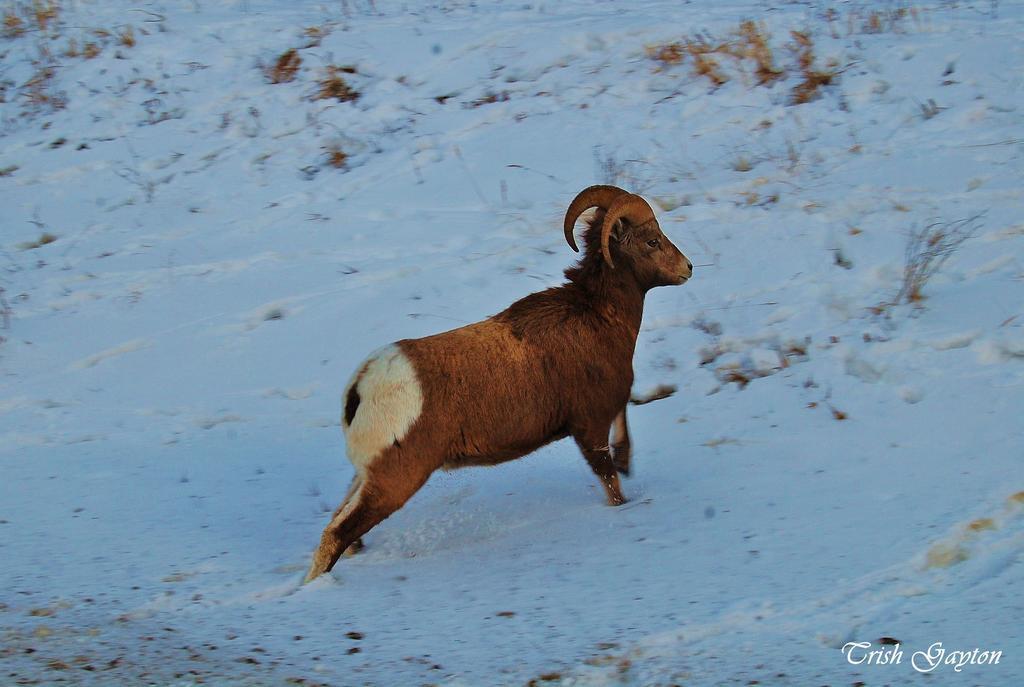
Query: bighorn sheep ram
{"type": "Point", "coordinates": [556, 363]}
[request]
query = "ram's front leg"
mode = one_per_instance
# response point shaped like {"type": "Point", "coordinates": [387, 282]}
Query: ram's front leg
{"type": "Point", "coordinates": [598, 454]}
{"type": "Point", "coordinates": [622, 449]}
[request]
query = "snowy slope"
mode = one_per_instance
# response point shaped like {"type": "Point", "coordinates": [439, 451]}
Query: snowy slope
{"type": "Point", "coordinates": [171, 363]}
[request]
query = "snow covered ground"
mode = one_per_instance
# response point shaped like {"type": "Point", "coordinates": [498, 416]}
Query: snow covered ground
{"type": "Point", "coordinates": [187, 282]}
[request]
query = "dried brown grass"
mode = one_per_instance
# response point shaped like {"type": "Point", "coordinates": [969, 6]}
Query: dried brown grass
{"type": "Point", "coordinates": [13, 25]}
{"type": "Point", "coordinates": [336, 157]}
{"type": "Point", "coordinates": [42, 19]}
{"type": "Point", "coordinates": [749, 42]}
{"type": "Point", "coordinates": [669, 54]}
{"type": "Point", "coordinates": [44, 239]}
{"type": "Point", "coordinates": [883, 21]}
{"type": "Point", "coordinates": [704, 62]}
{"type": "Point", "coordinates": [315, 35]}
{"type": "Point", "coordinates": [488, 99]}
{"type": "Point", "coordinates": [754, 46]}
{"type": "Point", "coordinates": [700, 52]}
{"type": "Point", "coordinates": [91, 49]}
{"type": "Point", "coordinates": [285, 67]}
{"type": "Point", "coordinates": [332, 86]}
{"type": "Point", "coordinates": [39, 92]}
{"type": "Point", "coordinates": [813, 78]}
{"type": "Point", "coordinates": [37, 16]}
{"type": "Point", "coordinates": [45, 13]}
{"type": "Point", "coordinates": [126, 37]}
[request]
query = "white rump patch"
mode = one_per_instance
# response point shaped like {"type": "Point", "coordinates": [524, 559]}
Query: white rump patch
{"type": "Point", "coordinates": [390, 400]}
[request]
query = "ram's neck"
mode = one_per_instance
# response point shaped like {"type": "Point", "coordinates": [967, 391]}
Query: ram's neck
{"type": "Point", "coordinates": [613, 292]}
{"type": "Point", "coordinates": [621, 300]}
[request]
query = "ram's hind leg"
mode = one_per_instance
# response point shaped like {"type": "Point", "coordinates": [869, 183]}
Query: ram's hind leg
{"type": "Point", "coordinates": [356, 546]}
{"type": "Point", "coordinates": [384, 488]}
{"type": "Point", "coordinates": [351, 521]}
{"type": "Point", "coordinates": [622, 450]}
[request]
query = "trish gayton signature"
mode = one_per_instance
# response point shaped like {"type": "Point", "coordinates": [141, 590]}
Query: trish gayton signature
{"type": "Point", "coordinates": [924, 661]}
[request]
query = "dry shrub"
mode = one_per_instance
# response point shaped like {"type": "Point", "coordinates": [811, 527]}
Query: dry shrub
{"type": "Point", "coordinates": [927, 251]}
{"type": "Point", "coordinates": [701, 53]}
{"type": "Point", "coordinates": [860, 21]}
{"type": "Point", "coordinates": [44, 13]}
{"type": "Point", "coordinates": [885, 20]}
{"type": "Point", "coordinates": [739, 375]}
{"type": "Point", "coordinates": [795, 350]}
{"type": "Point", "coordinates": [704, 63]}
{"type": "Point", "coordinates": [14, 26]}
{"type": "Point", "coordinates": [488, 99]}
{"type": "Point", "coordinates": [100, 38]}
{"type": "Point", "coordinates": [831, 16]}
{"type": "Point", "coordinates": [126, 37]}
{"type": "Point", "coordinates": [336, 157]}
{"type": "Point", "coordinates": [930, 109]}
{"type": "Point", "coordinates": [44, 239]}
{"type": "Point", "coordinates": [873, 24]}
{"type": "Point", "coordinates": [754, 45]}
{"type": "Point", "coordinates": [315, 35]}
{"type": "Point", "coordinates": [35, 16]}
{"type": "Point", "coordinates": [334, 87]}
{"type": "Point", "coordinates": [39, 92]}
{"type": "Point", "coordinates": [803, 47]}
{"type": "Point", "coordinates": [285, 67]}
{"type": "Point", "coordinates": [668, 54]}
{"type": "Point", "coordinates": [807, 90]}
{"type": "Point", "coordinates": [813, 79]}
{"type": "Point", "coordinates": [750, 41]}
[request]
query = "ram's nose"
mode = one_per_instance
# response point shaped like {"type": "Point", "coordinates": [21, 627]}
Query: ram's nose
{"type": "Point", "coordinates": [687, 270]}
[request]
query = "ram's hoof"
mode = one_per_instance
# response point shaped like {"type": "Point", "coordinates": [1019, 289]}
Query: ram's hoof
{"type": "Point", "coordinates": [617, 500]}
{"type": "Point", "coordinates": [319, 566]}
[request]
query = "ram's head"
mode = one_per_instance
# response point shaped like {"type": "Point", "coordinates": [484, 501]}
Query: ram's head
{"type": "Point", "coordinates": [630, 232]}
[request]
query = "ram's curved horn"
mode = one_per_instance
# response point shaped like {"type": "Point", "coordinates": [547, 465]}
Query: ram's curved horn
{"type": "Point", "coordinates": [630, 207]}
{"type": "Point", "coordinates": [593, 196]}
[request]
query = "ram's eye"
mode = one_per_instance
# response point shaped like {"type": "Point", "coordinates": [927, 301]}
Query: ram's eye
{"type": "Point", "coordinates": [653, 243]}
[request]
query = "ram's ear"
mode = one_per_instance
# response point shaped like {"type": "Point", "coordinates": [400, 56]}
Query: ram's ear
{"type": "Point", "coordinates": [619, 231]}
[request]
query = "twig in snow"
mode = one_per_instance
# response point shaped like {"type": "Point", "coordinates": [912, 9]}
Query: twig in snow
{"type": "Point", "coordinates": [5, 310]}
{"type": "Point", "coordinates": [552, 177]}
{"type": "Point", "coordinates": [472, 179]}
